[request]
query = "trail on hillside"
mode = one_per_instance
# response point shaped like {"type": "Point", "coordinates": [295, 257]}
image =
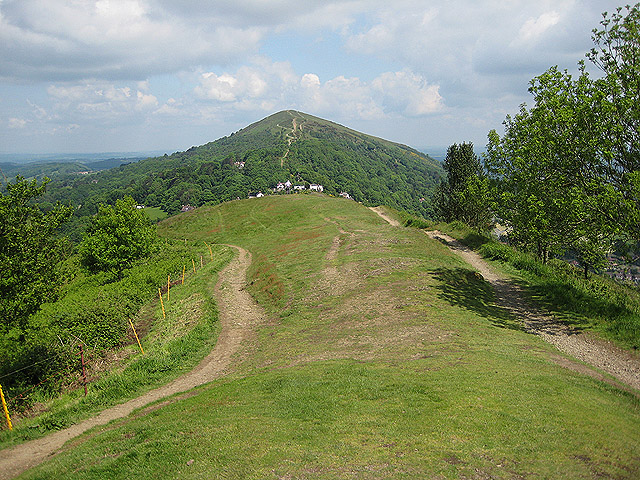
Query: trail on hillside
{"type": "Point", "coordinates": [598, 353]}
{"type": "Point", "coordinates": [291, 137]}
{"type": "Point", "coordinates": [239, 314]}
{"type": "Point", "coordinates": [595, 352]}
{"type": "Point", "coordinates": [380, 211]}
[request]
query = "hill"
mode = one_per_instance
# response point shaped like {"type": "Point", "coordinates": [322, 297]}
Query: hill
{"type": "Point", "coordinates": [286, 146]}
{"type": "Point", "coordinates": [383, 355]}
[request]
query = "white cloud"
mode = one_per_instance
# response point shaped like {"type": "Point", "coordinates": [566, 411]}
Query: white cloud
{"type": "Point", "coordinates": [17, 123]}
{"type": "Point", "coordinates": [267, 86]}
{"type": "Point", "coordinates": [534, 28]}
{"type": "Point", "coordinates": [408, 93]}
{"type": "Point", "coordinates": [99, 100]}
{"type": "Point", "coordinates": [125, 39]}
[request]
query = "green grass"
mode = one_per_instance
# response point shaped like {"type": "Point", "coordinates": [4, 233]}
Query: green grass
{"type": "Point", "coordinates": [349, 419]}
{"type": "Point", "coordinates": [155, 214]}
{"type": "Point", "coordinates": [598, 303]}
{"type": "Point", "coordinates": [385, 357]}
{"type": "Point", "coordinates": [173, 345]}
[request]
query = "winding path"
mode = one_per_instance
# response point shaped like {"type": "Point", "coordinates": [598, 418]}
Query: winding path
{"type": "Point", "coordinates": [599, 353]}
{"type": "Point", "coordinates": [621, 364]}
{"type": "Point", "coordinates": [239, 314]}
{"type": "Point", "coordinates": [291, 137]}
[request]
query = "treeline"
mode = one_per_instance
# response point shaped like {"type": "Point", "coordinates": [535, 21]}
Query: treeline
{"type": "Point", "coordinates": [565, 176]}
{"type": "Point", "coordinates": [52, 300]}
{"type": "Point", "coordinates": [372, 171]}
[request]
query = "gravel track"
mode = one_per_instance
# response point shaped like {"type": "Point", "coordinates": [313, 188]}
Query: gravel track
{"type": "Point", "coordinates": [601, 354]}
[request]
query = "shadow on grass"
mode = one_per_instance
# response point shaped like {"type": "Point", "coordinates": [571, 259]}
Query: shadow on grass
{"type": "Point", "coordinates": [465, 288]}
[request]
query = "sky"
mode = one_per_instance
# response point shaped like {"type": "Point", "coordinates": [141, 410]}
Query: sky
{"type": "Point", "coordinates": [165, 75]}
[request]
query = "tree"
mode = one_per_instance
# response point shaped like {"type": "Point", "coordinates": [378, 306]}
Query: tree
{"type": "Point", "coordinates": [616, 52]}
{"type": "Point", "coordinates": [464, 195]}
{"type": "Point", "coordinates": [118, 235]}
{"type": "Point", "coordinates": [568, 168]}
{"type": "Point", "coordinates": [548, 169]}
{"type": "Point", "coordinates": [29, 251]}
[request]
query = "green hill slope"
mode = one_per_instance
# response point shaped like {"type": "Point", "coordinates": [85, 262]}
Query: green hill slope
{"type": "Point", "coordinates": [384, 357]}
{"type": "Point", "coordinates": [285, 146]}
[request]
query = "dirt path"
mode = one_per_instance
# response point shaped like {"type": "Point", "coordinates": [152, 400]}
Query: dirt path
{"type": "Point", "coordinates": [623, 365]}
{"type": "Point", "coordinates": [594, 352]}
{"type": "Point", "coordinates": [380, 211]}
{"type": "Point", "coordinates": [291, 137]}
{"type": "Point", "coordinates": [239, 314]}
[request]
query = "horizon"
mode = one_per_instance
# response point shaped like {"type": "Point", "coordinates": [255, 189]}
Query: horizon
{"type": "Point", "coordinates": [130, 76]}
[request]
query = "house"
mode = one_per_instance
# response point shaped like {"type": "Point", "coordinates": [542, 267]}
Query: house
{"type": "Point", "coordinates": [187, 208]}
{"type": "Point", "coordinates": [316, 188]}
{"type": "Point", "coordinates": [259, 194]}
{"type": "Point", "coordinates": [238, 164]}
{"type": "Point", "coordinates": [299, 187]}
{"type": "Point", "coordinates": [345, 195]}
{"type": "Point", "coordinates": [283, 186]}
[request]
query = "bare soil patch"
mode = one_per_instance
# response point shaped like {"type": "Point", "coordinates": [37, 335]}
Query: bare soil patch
{"type": "Point", "coordinates": [239, 314]}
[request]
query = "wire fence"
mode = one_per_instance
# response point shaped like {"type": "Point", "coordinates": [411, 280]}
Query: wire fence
{"type": "Point", "coordinates": [76, 363]}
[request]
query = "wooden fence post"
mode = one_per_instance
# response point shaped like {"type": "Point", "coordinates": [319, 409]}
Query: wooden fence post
{"type": "Point", "coordinates": [6, 410]}
{"type": "Point", "coordinates": [84, 373]}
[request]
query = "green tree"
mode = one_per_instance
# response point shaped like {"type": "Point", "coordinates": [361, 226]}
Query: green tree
{"type": "Point", "coordinates": [616, 52]}
{"type": "Point", "coordinates": [464, 195]}
{"type": "Point", "coordinates": [118, 236]}
{"type": "Point", "coordinates": [30, 250]}
{"type": "Point", "coordinates": [548, 169]}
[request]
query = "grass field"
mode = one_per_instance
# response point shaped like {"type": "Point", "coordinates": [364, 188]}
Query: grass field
{"type": "Point", "coordinates": [384, 357]}
{"type": "Point", "coordinates": [155, 214]}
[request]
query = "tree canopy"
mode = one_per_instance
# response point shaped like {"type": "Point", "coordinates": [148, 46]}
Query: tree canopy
{"type": "Point", "coordinates": [117, 236]}
{"type": "Point", "coordinates": [566, 171]}
{"type": "Point", "coordinates": [29, 251]}
{"type": "Point", "coordinates": [464, 194]}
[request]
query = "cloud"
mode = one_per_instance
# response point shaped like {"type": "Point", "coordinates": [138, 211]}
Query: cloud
{"type": "Point", "coordinates": [408, 93]}
{"type": "Point", "coordinates": [267, 85]}
{"type": "Point", "coordinates": [17, 123]}
{"type": "Point", "coordinates": [534, 28]}
{"type": "Point", "coordinates": [111, 39]}
{"type": "Point", "coordinates": [99, 101]}
{"type": "Point", "coordinates": [53, 40]}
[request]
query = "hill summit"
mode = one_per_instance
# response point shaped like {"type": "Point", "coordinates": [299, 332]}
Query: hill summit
{"type": "Point", "coordinates": [288, 146]}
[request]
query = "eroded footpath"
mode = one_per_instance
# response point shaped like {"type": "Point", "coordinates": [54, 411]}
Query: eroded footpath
{"type": "Point", "coordinates": [239, 314]}
{"type": "Point", "coordinates": [599, 353]}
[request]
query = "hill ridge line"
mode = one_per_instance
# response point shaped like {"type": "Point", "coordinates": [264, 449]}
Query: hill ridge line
{"type": "Point", "coordinates": [239, 314]}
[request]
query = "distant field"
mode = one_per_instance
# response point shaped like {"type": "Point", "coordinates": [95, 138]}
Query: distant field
{"type": "Point", "coordinates": [384, 357]}
{"type": "Point", "coordinates": [155, 214]}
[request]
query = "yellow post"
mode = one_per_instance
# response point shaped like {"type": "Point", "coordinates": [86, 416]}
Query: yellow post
{"type": "Point", "coordinates": [201, 262]}
{"type": "Point", "coordinates": [136, 334]}
{"type": "Point", "coordinates": [210, 252]}
{"type": "Point", "coordinates": [161, 303]}
{"type": "Point", "coordinates": [168, 286]}
{"type": "Point", "coordinates": [194, 265]}
{"type": "Point", "coordinates": [183, 268]}
{"type": "Point", "coordinates": [6, 410]}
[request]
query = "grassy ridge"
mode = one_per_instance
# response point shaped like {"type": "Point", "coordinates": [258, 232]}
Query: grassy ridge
{"type": "Point", "coordinates": [385, 358]}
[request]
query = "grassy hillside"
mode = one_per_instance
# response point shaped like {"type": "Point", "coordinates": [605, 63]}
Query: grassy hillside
{"type": "Point", "coordinates": [385, 357]}
{"type": "Point", "coordinates": [285, 146]}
